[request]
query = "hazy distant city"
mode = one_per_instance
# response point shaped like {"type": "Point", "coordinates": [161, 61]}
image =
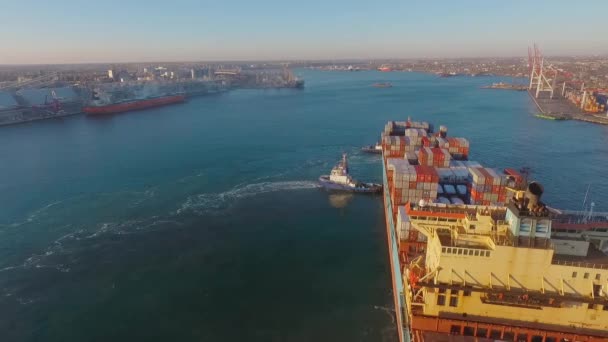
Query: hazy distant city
{"type": "Point", "coordinates": [31, 92]}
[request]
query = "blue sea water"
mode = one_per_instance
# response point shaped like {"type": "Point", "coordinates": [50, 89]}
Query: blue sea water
{"type": "Point", "coordinates": [203, 221]}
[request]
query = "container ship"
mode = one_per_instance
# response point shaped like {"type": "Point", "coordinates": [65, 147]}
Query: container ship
{"type": "Point", "coordinates": [475, 253]}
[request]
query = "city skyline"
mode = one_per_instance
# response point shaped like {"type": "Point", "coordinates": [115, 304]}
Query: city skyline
{"type": "Point", "coordinates": [120, 32]}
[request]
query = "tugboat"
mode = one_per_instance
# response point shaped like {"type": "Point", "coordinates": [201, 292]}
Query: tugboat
{"type": "Point", "coordinates": [372, 148]}
{"type": "Point", "coordinates": [340, 180]}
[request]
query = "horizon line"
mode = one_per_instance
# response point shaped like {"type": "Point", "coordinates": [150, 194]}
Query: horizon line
{"type": "Point", "coordinates": [295, 60]}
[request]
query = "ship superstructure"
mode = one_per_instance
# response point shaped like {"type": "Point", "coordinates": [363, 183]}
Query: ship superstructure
{"type": "Point", "coordinates": [488, 266]}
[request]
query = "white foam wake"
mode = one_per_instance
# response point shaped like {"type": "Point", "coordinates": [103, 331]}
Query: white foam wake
{"type": "Point", "coordinates": [209, 202]}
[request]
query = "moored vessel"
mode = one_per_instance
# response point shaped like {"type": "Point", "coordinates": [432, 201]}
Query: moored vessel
{"type": "Point", "coordinates": [340, 180]}
{"type": "Point", "coordinates": [97, 108]}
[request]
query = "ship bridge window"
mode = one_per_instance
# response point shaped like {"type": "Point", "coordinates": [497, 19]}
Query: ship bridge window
{"type": "Point", "coordinates": [598, 276]}
{"type": "Point", "coordinates": [441, 299]}
{"type": "Point", "coordinates": [472, 226]}
{"type": "Point", "coordinates": [525, 226]}
{"type": "Point", "coordinates": [574, 274]}
{"type": "Point", "coordinates": [482, 332]}
{"type": "Point", "coordinates": [542, 226]}
{"type": "Point", "coordinates": [468, 331]}
{"type": "Point", "coordinates": [454, 301]}
{"type": "Point", "coordinates": [601, 230]}
{"type": "Point", "coordinates": [605, 307]}
{"type": "Point", "coordinates": [495, 334]}
{"type": "Point", "coordinates": [455, 330]}
{"type": "Point", "coordinates": [586, 275]}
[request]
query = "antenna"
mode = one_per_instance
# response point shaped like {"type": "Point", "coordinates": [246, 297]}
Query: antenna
{"type": "Point", "coordinates": [586, 195]}
{"type": "Point", "coordinates": [585, 216]}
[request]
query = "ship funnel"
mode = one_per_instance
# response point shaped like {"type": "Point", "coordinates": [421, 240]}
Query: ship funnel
{"type": "Point", "coordinates": [533, 193]}
{"type": "Point", "coordinates": [443, 131]}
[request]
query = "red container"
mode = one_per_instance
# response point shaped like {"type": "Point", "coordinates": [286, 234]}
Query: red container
{"type": "Point", "coordinates": [426, 142]}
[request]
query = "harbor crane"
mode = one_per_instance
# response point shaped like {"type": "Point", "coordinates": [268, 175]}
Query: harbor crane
{"type": "Point", "coordinates": [538, 73]}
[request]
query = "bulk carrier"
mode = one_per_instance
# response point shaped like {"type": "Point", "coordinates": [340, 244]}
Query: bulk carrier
{"type": "Point", "coordinates": [130, 105]}
{"type": "Point", "coordinates": [473, 252]}
{"type": "Point", "coordinates": [113, 99]}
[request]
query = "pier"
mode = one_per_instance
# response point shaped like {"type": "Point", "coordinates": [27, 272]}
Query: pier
{"type": "Point", "coordinates": [559, 108]}
{"type": "Point", "coordinates": [507, 86]}
{"type": "Point", "coordinates": [552, 104]}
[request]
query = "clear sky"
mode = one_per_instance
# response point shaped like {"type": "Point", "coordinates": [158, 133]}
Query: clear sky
{"type": "Point", "coordinates": [69, 31]}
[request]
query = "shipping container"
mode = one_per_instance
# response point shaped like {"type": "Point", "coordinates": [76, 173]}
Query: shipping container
{"type": "Point", "coordinates": [443, 200]}
{"type": "Point", "coordinates": [456, 200]}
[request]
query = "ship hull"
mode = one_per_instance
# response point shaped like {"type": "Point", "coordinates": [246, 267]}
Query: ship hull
{"type": "Point", "coordinates": [401, 320]}
{"type": "Point", "coordinates": [368, 188]}
{"type": "Point", "coordinates": [134, 105]}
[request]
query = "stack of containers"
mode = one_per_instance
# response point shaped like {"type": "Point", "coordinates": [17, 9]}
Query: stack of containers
{"type": "Point", "coordinates": [405, 232]}
{"type": "Point", "coordinates": [427, 182]}
{"type": "Point", "coordinates": [446, 175]}
{"type": "Point", "coordinates": [399, 127]}
{"type": "Point", "coordinates": [487, 186]}
{"type": "Point", "coordinates": [423, 125]}
{"type": "Point", "coordinates": [458, 147]}
{"type": "Point", "coordinates": [425, 141]}
{"type": "Point", "coordinates": [397, 146]}
{"type": "Point", "coordinates": [461, 175]}
{"type": "Point", "coordinates": [416, 135]}
{"type": "Point", "coordinates": [402, 175]}
{"type": "Point", "coordinates": [442, 143]}
{"type": "Point", "coordinates": [471, 164]}
{"type": "Point", "coordinates": [411, 157]}
{"type": "Point", "coordinates": [410, 183]}
{"type": "Point", "coordinates": [388, 128]}
{"type": "Point", "coordinates": [437, 157]}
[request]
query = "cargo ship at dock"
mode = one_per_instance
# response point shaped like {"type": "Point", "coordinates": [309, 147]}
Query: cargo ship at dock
{"type": "Point", "coordinates": [475, 253]}
{"type": "Point", "coordinates": [138, 104]}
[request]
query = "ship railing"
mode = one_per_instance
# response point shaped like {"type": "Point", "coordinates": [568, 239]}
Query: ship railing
{"type": "Point", "coordinates": [462, 251]}
{"type": "Point", "coordinates": [583, 213]}
{"type": "Point", "coordinates": [580, 264]}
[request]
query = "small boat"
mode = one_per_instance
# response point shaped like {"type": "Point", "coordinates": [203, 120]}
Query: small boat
{"type": "Point", "coordinates": [382, 85]}
{"type": "Point", "coordinates": [372, 148]}
{"type": "Point", "coordinates": [340, 180]}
